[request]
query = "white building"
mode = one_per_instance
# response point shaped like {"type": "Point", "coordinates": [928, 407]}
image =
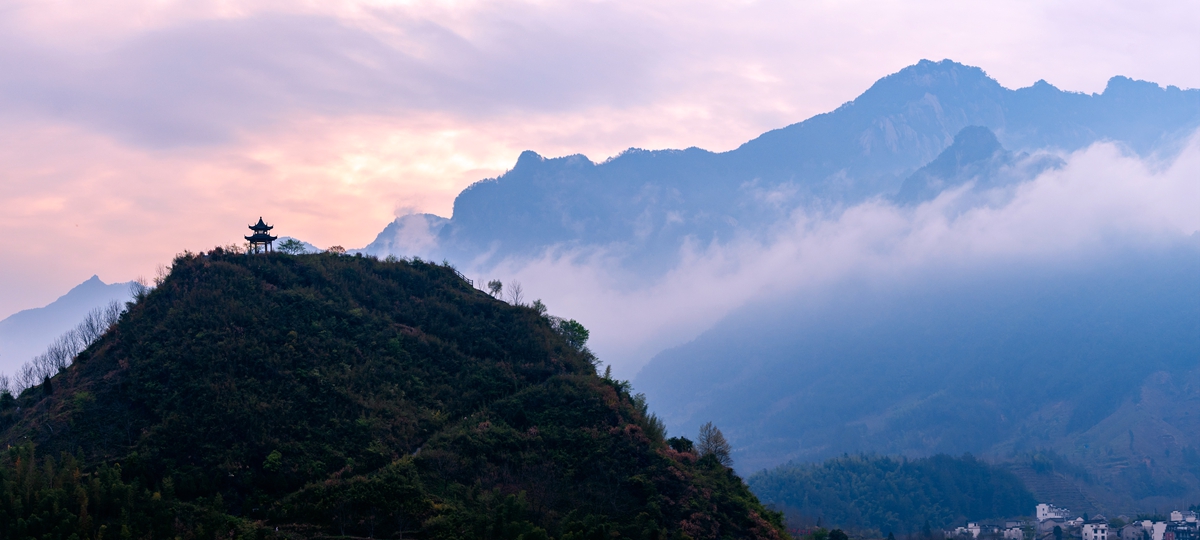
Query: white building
{"type": "Point", "coordinates": [1095, 531]}
{"type": "Point", "coordinates": [1156, 529]}
{"type": "Point", "coordinates": [1014, 533]}
{"type": "Point", "coordinates": [1049, 511]}
{"type": "Point", "coordinates": [972, 529]}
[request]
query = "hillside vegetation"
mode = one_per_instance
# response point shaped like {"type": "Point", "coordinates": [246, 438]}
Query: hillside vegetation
{"type": "Point", "coordinates": [894, 494]}
{"type": "Point", "coordinates": [315, 395]}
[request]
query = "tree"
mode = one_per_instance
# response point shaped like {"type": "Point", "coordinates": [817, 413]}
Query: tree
{"type": "Point", "coordinates": [495, 288]}
{"type": "Point", "coordinates": [516, 294]}
{"type": "Point", "coordinates": [538, 306]}
{"type": "Point", "coordinates": [273, 462]}
{"type": "Point", "coordinates": [682, 445]}
{"type": "Point", "coordinates": [574, 332]}
{"type": "Point", "coordinates": [891, 536]}
{"type": "Point", "coordinates": [1058, 533]}
{"type": "Point", "coordinates": [712, 442]}
{"type": "Point", "coordinates": [138, 289]}
{"type": "Point", "coordinates": [336, 250]}
{"type": "Point", "coordinates": [291, 246]}
{"type": "Point", "coordinates": [837, 534]}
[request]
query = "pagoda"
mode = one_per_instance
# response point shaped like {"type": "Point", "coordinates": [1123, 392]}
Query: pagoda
{"type": "Point", "coordinates": [261, 239]}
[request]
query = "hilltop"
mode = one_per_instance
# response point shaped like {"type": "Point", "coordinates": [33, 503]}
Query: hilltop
{"type": "Point", "coordinates": [303, 396]}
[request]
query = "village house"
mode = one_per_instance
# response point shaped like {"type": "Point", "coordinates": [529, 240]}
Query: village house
{"type": "Point", "coordinates": [1094, 529]}
{"type": "Point", "coordinates": [1182, 525]}
{"type": "Point", "coordinates": [1049, 511]}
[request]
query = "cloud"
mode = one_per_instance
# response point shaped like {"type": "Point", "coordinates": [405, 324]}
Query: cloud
{"type": "Point", "coordinates": [202, 74]}
{"type": "Point", "coordinates": [1103, 200]}
{"type": "Point", "coordinates": [203, 81]}
{"type": "Point", "coordinates": [147, 122]}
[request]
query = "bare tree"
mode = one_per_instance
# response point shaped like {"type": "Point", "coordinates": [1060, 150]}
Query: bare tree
{"type": "Point", "coordinates": [63, 350]}
{"type": "Point", "coordinates": [516, 294]}
{"type": "Point", "coordinates": [138, 289]}
{"type": "Point", "coordinates": [93, 325]}
{"type": "Point", "coordinates": [712, 441]}
{"type": "Point", "coordinates": [98, 321]}
{"type": "Point", "coordinates": [160, 274]}
{"type": "Point", "coordinates": [112, 314]}
{"type": "Point", "coordinates": [60, 352]}
{"type": "Point", "coordinates": [26, 377]}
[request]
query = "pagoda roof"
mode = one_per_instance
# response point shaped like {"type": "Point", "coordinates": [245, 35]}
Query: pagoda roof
{"type": "Point", "coordinates": [261, 237]}
{"type": "Point", "coordinates": [260, 226]}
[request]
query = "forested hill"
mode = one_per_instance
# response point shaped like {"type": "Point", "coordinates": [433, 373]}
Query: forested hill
{"type": "Point", "coordinates": [302, 396]}
{"type": "Point", "coordinates": [894, 494]}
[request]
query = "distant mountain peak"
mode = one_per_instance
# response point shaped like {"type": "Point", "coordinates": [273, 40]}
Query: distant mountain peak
{"type": "Point", "coordinates": [27, 333]}
{"type": "Point", "coordinates": [973, 143]}
{"type": "Point", "coordinates": [1041, 84]}
{"type": "Point", "coordinates": [527, 158]}
{"type": "Point", "coordinates": [944, 65]}
{"type": "Point", "coordinates": [90, 284]}
{"type": "Point", "coordinates": [1121, 84]}
{"type": "Point", "coordinates": [530, 160]}
{"type": "Point", "coordinates": [928, 74]}
{"type": "Point", "coordinates": [976, 151]}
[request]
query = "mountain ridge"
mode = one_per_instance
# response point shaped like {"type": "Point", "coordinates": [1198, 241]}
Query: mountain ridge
{"type": "Point", "coordinates": [642, 204]}
{"type": "Point", "coordinates": [26, 334]}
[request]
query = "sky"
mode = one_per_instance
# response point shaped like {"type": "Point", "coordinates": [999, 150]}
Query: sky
{"type": "Point", "coordinates": [134, 130]}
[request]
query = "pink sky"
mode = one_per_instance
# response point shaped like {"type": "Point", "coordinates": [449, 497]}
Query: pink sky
{"type": "Point", "coordinates": [130, 131]}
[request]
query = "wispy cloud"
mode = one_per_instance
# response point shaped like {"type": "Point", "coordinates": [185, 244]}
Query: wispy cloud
{"type": "Point", "coordinates": [1103, 200]}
